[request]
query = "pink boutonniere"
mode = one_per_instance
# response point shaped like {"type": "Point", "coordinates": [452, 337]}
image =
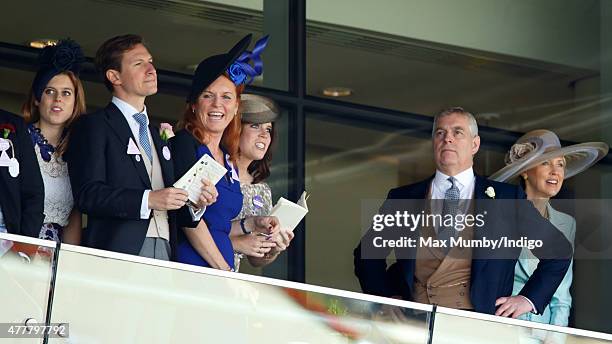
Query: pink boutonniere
{"type": "Point", "coordinates": [165, 131]}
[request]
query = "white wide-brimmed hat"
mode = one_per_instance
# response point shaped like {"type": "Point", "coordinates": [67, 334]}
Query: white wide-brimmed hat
{"type": "Point", "coordinates": [541, 145]}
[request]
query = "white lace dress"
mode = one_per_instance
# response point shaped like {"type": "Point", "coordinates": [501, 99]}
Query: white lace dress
{"type": "Point", "coordinates": [58, 195]}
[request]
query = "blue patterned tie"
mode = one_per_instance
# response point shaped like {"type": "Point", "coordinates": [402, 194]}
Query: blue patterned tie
{"type": "Point", "coordinates": [143, 134]}
{"type": "Point", "coordinates": [451, 207]}
{"type": "Point", "coordinates": [451, 198]}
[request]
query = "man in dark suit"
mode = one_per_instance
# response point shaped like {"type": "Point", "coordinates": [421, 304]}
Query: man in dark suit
{"type": "Point", "coordinates": [472, 278]}
{"type": "Point", "coordinates": [120, 168]}
{"type": "Point", "coordinates": [22, 197]}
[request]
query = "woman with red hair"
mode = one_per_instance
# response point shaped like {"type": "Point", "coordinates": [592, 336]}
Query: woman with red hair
{"type": "Point", "coordinates": [55, 101]}
{"type": "Point", "coordinates": [211, 126]}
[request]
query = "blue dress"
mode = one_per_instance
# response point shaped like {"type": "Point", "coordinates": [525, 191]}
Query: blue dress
{"type": "Point", "coordinates": [217, 216]}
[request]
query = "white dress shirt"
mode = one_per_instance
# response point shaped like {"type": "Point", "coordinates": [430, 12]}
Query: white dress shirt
{"type": "Point", "coordinates": [464, 181]}
{"type": "Point", "coordinates": [128, 112]}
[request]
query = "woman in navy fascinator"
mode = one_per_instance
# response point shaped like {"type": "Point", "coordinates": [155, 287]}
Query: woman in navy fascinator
{"type": "Point", "coordinates": [211, 126]}
{"type": "Point", "coordinates": [56, 99]}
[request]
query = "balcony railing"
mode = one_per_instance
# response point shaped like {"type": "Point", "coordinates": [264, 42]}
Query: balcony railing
{"type": "Point", "coordinates": [106, 297]}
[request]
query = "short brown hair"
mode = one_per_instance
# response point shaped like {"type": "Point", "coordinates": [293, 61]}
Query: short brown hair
{"type": "Point", "coordinates": [110, 53]}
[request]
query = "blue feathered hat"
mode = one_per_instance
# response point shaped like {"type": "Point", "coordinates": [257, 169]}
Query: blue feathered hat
{"type": "Point", "coordinates": [53, 60]}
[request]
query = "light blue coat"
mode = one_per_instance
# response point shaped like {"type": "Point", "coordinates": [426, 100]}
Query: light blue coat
{"type": "Point", "coordinates": [557, 312]}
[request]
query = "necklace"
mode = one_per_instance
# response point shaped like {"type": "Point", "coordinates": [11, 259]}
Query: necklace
{"type": "Point", "coordinates": [46, 149]}
{"type": "Point", "coordinates": [50, 164]}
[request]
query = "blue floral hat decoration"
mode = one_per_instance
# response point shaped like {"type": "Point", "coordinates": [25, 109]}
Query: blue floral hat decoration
{"type": "Point", "coordinates": [53, 60]}
{"type": "Point", "coordinates": [237, 63]}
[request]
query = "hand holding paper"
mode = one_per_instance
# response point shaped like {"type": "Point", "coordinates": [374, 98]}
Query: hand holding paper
{"type": "Point", "coordinates": [282, 239]}
{"type": "Point", "coordinates": [266, 225]}
{"type": "Point", "coordinates": [290, 214]}
{"type": "Point", "coordinates": [167, 199]}
{"type": "Point", "coordinates": [205, 168]}
{"type": "Point", "coordinates": [208, 194]}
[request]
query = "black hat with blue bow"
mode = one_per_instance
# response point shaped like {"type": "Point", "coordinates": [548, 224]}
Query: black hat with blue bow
{"type": "Point", "coordinates": [236, 62]}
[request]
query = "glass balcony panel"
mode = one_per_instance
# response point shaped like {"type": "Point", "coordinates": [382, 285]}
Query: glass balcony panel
{"type": "Point", "coordinates": [453, 326]}
{"type": "Point", "coordinates": [25, 279]}
{"type": "Point", "coordinates": [115, 298]}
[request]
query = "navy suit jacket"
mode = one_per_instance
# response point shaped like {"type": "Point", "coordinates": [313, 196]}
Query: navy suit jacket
{"type": "Point", "coordinates": [108, 184]}
{"type": "Point", "coordinates": [491, 277]}
{"type": "Point", "coordinates": [22, 198]}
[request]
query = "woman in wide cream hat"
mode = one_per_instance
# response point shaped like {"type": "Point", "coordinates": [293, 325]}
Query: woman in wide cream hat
{"type": "Point", "coordinates": [542, 164]}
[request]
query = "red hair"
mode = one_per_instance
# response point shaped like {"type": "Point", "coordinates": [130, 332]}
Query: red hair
{"type": "Point", "coordinates": [231, 135]}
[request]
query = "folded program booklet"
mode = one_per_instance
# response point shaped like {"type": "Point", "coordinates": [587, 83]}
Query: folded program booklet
{"type": "Point", "coordinates": [205, 168]}
{"type": "Point", "coordinates": [290, 214]}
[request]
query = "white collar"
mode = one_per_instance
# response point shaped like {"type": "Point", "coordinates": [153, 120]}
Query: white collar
{"type": "Point", "coordinates": [462, 179]}
{"type": "Point", "coordinates": [128, 110]}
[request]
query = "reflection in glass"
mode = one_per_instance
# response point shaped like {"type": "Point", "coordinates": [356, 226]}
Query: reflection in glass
{"type": "Point", "coordinates": [129, 302]}
{"type": "Point", "coordinates": [25, 277]}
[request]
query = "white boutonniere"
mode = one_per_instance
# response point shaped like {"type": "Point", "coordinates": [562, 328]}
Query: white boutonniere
{"type": "Point", "coordinates": [490, 192]}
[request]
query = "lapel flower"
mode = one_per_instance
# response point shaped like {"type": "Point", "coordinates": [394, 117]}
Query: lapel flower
{"type": "Point", "coordinates": [165, 131]}
{"type": "Point", "coordinates": [490, 192]}
{"type": "Point", "coordinates": [6, 129]}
